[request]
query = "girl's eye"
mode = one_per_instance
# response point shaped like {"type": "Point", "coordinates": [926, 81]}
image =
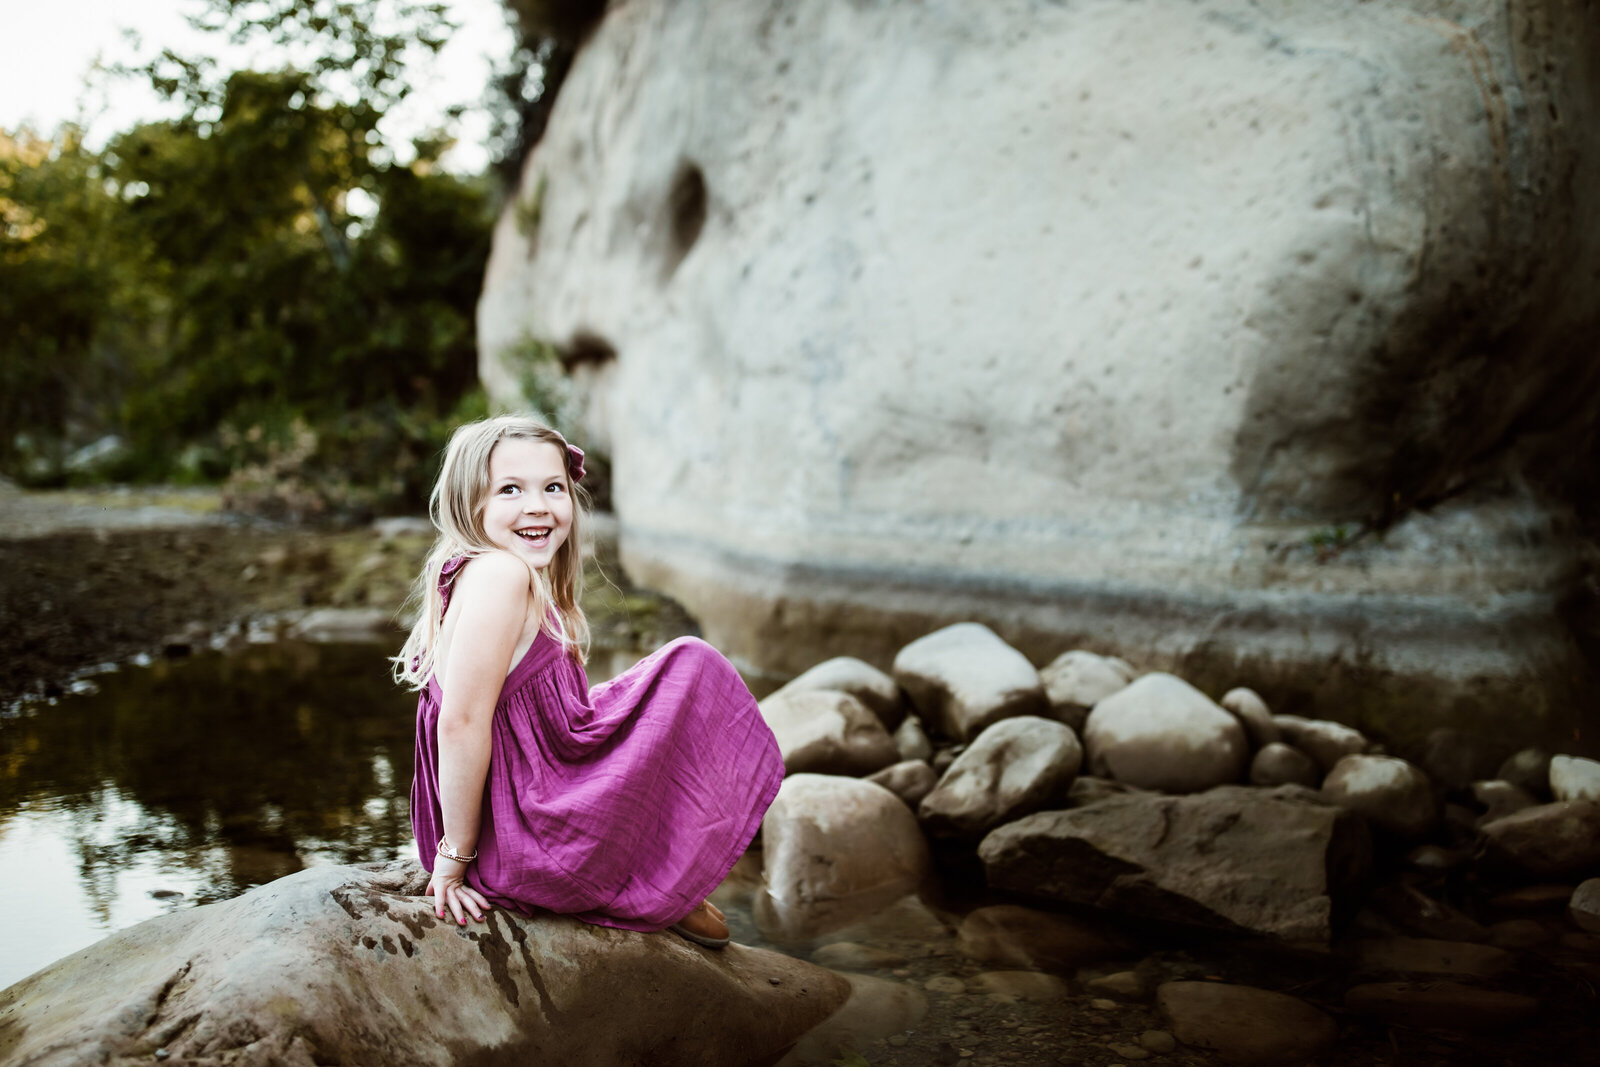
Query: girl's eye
{"type": "Point", "coordinates": [506, 490]}
{"type": "Point", "coordinates": [555, 487]}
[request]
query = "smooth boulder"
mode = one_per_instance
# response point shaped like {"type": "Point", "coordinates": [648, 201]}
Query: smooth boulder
{"type": "Point", "coordinates": [1389, 792]}
{"type": "Point", "coordinates": [1584, 907]}
{"type": "Point", "coordinates": [1014, 768]}
{"type": "Point", "coordinates": [910, 780]}
{"type": "Point", "coordinates": [1075, 681]}
{"type": "Point", "coordinates": [349, 965]}
{"type": "Point", "coordinates": [1280, 764]}
{"type": "Point", "coordinates": [1253, 714]}
{"type": "Point", "coordinates": [1163, 733]}
{"type": "Point", "coordinates": [824, 731]}
{"type": "Point", "coordinates": [964, 677]}
{"type": "Point", "coordinates": [1549, 839]}
{"type": "Point", "coordinates": [1280, 862]}
{"type": "Point", "coordinates": [1324, 741]}
{"type": "Point", "coordinates": [1244, 1024]}
{"type": "Point", "coordinates": [846, 674]}
{"type": "Point", "coordinates": [1574, 778]}
{"type": "Point", "coordinates": [834, 850]}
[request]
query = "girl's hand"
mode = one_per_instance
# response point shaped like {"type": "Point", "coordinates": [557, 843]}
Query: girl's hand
{"type": "Point", "coordinates": [449, 890]}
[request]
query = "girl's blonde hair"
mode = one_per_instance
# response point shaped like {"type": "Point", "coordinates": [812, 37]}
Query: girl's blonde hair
{"type": "Point", "coordinates": [456, 507]}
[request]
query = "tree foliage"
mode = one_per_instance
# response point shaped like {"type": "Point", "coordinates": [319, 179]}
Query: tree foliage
{"type": "Point", "coordinates": [216, 287]}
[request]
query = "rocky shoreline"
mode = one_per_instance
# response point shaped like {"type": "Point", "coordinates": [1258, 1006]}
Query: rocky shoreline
{"type": "Point", "coordinates": [1444, 897]}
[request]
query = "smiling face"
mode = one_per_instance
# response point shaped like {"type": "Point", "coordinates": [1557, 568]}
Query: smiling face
{"type": "Point", "coordinates": [529, 510]}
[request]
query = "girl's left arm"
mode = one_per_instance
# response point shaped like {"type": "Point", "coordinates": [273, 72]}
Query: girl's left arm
{"type": "Point", "coordinates": [492, 592]}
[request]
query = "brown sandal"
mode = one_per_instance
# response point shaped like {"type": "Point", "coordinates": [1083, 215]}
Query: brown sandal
{"type": "Point", "coordinates": [702, 927]}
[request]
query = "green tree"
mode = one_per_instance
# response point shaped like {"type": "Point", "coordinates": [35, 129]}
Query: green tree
{"type": "Point", "coordinates": [66, 276]}
{"type": "Point", "coordinates": [300, 310]}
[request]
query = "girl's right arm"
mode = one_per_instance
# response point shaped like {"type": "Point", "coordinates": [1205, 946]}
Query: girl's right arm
{"type": "Point", "coordinates": [491, 596]}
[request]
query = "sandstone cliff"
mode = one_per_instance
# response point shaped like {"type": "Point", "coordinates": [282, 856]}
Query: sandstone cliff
{"type": "Point", "coordinates": [1242, 334]}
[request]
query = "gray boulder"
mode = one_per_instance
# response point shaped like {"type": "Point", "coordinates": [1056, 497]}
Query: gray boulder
{"type": "Point", "coordinates": [1326, 742]}
{"type": "Point", "coordinates": [1244, 1024]}
{"type": "Point", "coordinates": [823, 731]}
{"type": "Point", "coordinates": [1015, 767]}
{"type": "Point", "coordinates": [860, 679]}
{"type": "Point", "coordinates": [1584, 907]}
{"type": "Point", "coordinates": [1253, 714]}
{"type": "Point", "coordinates": [834, 850]}
{"type": "Point", "coordinates": [910, 780]}
{"type": "Point", "coordinates": [1528, 768]}
{"type": "Point", "coordinates": [964, 677]}
{"type": "Point", "coordinates": [1549, 839]}
{"type": "Point", "coordinates": [1163, 733]}
{"type": "Point", "coordinates": [911, 741]}
{"type": "Point", "coordinates": [1574, 778]}
{"type": "Point", "coordinates": [1280, 764]}
{"type": "Point", "coordinates": [1389, 792]}
{"type": "Point", "coordinates": [1500, 798]}
{"type": "Point", "coordinates": [1076, 681]}
{"type": "Point", "coordinates": [349, 965]}
{"type": "Point", "coordinates": [1280, 862]}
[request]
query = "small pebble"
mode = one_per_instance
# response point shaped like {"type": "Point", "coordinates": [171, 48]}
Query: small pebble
{"type": "Point", "coordinates": [945, 983]}
{"type": "Point", "coordinates": [1129, 1052]}
{"type": "Point", "coordinates": [1102, 1004]}
{"type": "Point", "coordinates": [898, 1040]}
{"type": "Point", "coordinates": [162, 1054]}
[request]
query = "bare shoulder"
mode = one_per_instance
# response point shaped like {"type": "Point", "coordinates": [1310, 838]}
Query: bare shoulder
{"type": "Point", "coordinates": [494, 577]}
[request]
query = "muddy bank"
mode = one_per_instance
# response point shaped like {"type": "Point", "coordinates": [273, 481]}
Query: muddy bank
{"type": "Point", "coordinates": [94, 578]}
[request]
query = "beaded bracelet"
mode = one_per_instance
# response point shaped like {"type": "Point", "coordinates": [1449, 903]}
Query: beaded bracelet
{"type": "Point", "coordinates": [451, 854]}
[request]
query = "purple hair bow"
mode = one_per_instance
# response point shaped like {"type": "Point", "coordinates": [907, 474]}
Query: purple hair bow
{"type": "Point", "coordinates": [575, 462]}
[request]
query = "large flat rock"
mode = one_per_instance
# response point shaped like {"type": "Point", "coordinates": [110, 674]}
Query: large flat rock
{"type": "Point", "coordinates": [1279, 862]}
{"type": "Point", "coordinates": [348, 965]}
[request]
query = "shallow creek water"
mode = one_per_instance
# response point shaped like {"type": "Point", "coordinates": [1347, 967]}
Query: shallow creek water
{"type": "Point", "coordinates": [172, 784]}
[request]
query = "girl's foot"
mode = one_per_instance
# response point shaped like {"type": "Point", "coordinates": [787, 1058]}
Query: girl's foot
{"type": "Point", "coordinates": [702, 927]}
{"type": "Point", "coordinates": [715, 911]}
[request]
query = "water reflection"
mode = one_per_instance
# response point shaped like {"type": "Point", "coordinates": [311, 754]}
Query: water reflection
{"type": "Point", "coordinates": [194, 780]}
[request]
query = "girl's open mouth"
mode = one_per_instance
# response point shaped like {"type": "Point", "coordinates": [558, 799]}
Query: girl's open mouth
{"type": "Point", "coordinates": [537, 535]}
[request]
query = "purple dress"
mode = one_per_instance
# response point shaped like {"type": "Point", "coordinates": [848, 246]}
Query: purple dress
{"type": "Point", "coordinates": [624, 805]}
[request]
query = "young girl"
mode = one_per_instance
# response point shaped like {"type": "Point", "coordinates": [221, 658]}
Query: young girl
{"type": "Point", "coordinates": [624, 805]}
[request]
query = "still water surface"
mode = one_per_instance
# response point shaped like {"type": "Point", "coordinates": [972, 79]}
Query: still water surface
{"type": "Point", "coordinates": [190, 781]}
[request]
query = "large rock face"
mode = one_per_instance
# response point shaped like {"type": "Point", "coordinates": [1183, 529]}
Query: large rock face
{"type": "Point", "coordinates": [1104, 324]}
{"type": "Point", "coordinates": [348, 965]}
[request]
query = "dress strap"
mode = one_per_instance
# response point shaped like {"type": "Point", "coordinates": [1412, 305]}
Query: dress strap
{"type": "Point", "coordinates": [447, 580]}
